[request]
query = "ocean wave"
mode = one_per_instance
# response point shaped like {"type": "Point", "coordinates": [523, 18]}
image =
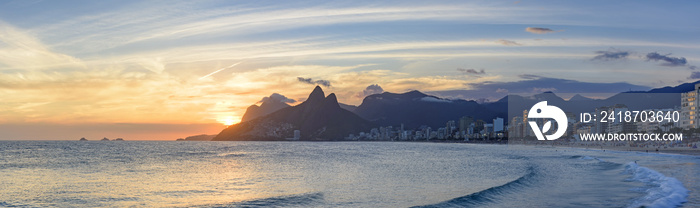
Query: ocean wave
{"type": "Point", "coordinates": [300, 200]}
{"type": "Point", "coordinates": [661, 191]}
{"type": "Point", "coordinates": [190, 153]}
{"type": "Point", "coordinates": [586, 157]}
{"type": "Point", "coordinates": [489, 195]}
{"type": "Point", "coordinates": [602, 164]}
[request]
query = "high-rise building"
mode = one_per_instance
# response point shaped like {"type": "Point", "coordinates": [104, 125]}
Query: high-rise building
{"type": "Point", "coordinates": [450, 127]}
{"type": "Point", "coordinates": [464, 123]}
{"type": "Point", "coordinates": [689, 108]}
{"type": "Point", "coordinates": [479, 125]}
{"type": "Point", "coordinates": [497, 124]}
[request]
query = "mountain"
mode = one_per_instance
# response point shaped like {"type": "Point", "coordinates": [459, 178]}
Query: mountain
{"type": "Point", "coordinates": [350, 108]}
{"type": "Point", "coordinates": [202, 137]}
{"type": "Point", "coordinates": [658, 98]}
{"type": "Point", "coordinates": [685, 87]}
{"type": "Point", "coordinates": [317, 118]}
{"type": "Point", "coordinates": [579, 97]}
{"type": "Point", "coordinates": [268, 106]}
{"type": "Point", "coordinates": [633, 100]}
{"type": "Point", "coordinates": [414, 109]}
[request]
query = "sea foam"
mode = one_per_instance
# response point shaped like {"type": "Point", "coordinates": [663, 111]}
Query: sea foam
{"type": "Point", "coordinates": [662, 191]}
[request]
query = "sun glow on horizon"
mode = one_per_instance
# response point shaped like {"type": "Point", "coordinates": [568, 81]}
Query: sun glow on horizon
{"type": "Point", "coordinates": [229, 120]}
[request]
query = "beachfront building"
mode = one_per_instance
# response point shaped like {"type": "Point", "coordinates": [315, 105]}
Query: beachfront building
{"type": "Point", "coordinates": [498, 125]}
{"type": "Point", "coordinates": [664, 125]}
{"type": "Point", "coordinates": [689, 108]}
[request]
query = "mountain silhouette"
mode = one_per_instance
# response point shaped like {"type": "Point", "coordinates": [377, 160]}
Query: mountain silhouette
{"type": "Point", "coordinates": [264, 109]}
{"type": "Point", "coordinates": [633, 100]}
{"type": "Point", "coordinates": [414, 109]}
{"type": "Point", "coordinates": [317, 118]}
{"type": "Point", "coordinates": [579, 97]}
{"type": "Point", "coordinates": [269, 105]}
{"type": "Point", "coordinates": [348, 107]}
{"type": "Point", "coordinates": [685, 87]}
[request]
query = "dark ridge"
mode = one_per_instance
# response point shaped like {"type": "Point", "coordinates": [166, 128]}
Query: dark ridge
{"type": "Point", "coordinates": [317, 118]}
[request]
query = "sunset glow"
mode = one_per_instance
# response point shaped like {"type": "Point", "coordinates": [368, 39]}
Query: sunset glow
{"type": "Point", "coordinates": [205, 63]}
{"type": "Point", "coordinates": [229, 120]}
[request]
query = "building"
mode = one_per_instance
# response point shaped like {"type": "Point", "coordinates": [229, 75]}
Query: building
{"type": "Point", "coordinates": [663, 125]}
{"type": "Point", "coordinates": [689, 108]}
{"type": "Point", "coordinates": [450, 127]}
{"type": "Point", "coordinates": [498, 124]}
{"type": "Point", "coordinates": [488, 129]}
{"type": "Point", "coordinates": [464, 123]}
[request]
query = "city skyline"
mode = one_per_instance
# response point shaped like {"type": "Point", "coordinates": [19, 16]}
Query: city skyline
{"type": "Point", "coordinates": [157, 70]}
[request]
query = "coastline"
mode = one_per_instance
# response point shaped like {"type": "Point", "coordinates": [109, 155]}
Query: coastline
{"type": "Point", "coordinates": [673, 150]}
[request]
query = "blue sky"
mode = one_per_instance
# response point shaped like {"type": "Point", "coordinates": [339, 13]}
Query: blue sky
{"type": "Point", "coordinates": [179, 62]}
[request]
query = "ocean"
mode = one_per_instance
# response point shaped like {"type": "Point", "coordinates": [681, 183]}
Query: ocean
{"type": "Point", "coordinates": [338, 174]}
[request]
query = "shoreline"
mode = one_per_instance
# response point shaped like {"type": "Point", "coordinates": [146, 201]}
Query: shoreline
{"type": "Point", "coordinates": [670, 151]}
{"type": "Point", "coordinates": [673, 150]}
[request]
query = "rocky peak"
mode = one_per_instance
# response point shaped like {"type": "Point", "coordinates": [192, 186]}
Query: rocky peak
{"type": "Point", "coordinates": [316, 96]}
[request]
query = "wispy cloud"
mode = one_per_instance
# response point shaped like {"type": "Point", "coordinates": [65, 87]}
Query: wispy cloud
{"type": "Point", "coordinates": [20, 50]}
{"type": "Point", "coordinates": [540, 30]}
{"type": "Point", "coordinates": [145, 22]}
{"type": "Point", "coordinates": [471, 71]}
{"type": "Point", "coordinates": [508, 42]}
{"type": "Point", "coordinates": [611, 54]}
{"type": "Point", "coordinates": [217, 71]}
{"type": "Point", "coordinates": [530, 76]}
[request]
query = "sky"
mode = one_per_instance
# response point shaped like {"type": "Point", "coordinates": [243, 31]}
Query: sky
{"type": "Point", "coordinates": [161, 70]}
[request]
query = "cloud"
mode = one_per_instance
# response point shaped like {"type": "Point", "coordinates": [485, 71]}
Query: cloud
{"type": "Point", "coordinates": [325, 83]}
{"type": "Point", "coordinates": [694, 75]}
{"type": "Point", "coordinates": [372, 89]}
{"type": "Point", "coordinates": [611, 54]}
{"type": "Point", "coordinates": [508, 42]}
{"type": "Point", "coordinates": [217, 71]}
{"type": "Point", "coordinates": [276, 97]}
{"type": "Point", "coordinates": [666, 60]}
{"type": "Point", "coordinates": [434, 99]}
{"type": "Point", "coordinates": [540, 30]}
{"type": "Point", "coordinates": [544, 89]}
{"type": "Point", "coordinates": [471, 71]}
{"type": "Point", "coordinates": [20, 50]}
{"type": "Point", "coordinates": [529, 76]}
